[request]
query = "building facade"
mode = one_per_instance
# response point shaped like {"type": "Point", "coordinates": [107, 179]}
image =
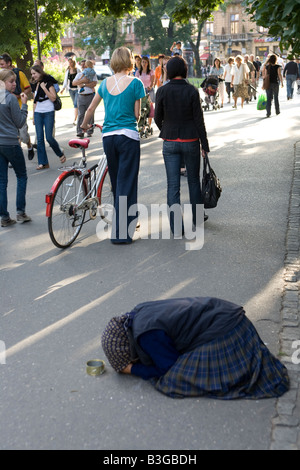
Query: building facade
{"type": "Point", "coordinates": [231, 32]}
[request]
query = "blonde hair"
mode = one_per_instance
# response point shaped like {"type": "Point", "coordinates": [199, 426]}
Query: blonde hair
{"type": "Point", "coordinates": [89, 64]}
{"type": "Point", "coordinates": [122, 59]}
{"type": "Point", "coordinates": [240, 58]}
{"type": "Point", "coordinates": [5, 74]}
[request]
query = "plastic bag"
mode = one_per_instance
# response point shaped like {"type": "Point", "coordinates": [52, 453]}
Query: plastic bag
{"type": "Point", "coordinates": [262, 102]}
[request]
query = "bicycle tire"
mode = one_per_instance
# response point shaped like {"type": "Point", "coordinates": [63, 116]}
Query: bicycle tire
{"type": "Point", "coordinates": [65, 223]}
{"type": "Point", "coordinates": [106, 198]}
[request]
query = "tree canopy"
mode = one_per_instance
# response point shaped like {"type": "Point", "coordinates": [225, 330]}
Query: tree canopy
{"type": "Point", "coordinates": [281, 17]}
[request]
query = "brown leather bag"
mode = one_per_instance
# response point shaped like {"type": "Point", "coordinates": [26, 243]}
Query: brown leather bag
{"type": "Point", "coordinates": [266, 80]}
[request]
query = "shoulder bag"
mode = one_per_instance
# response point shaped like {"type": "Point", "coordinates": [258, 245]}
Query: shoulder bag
{"type": "Point", "coordinates": [211, 186]}
{"type": "Point", "coordinates": [57, 103]}
{"type": "Point", "coordinates": [266, 80]}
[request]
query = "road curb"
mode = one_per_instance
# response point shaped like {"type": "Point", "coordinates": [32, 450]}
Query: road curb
{"type": "Point", "coordinates": [286, 423]}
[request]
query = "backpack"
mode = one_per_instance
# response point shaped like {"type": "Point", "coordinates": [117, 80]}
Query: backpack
{"type": "Point", "coordinates": [18, 89]}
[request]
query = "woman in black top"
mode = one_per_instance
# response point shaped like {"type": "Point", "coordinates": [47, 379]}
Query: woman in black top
{"type": "Point", "coordinates": [274, 70]}
{"type": "Point", "coordinates": [70, 75]}
{"type": "Point", "coordinates": [179, 116]}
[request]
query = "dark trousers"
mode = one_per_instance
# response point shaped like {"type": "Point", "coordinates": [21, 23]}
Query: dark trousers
{"type": "Point", "coordinates": [272, 92]}
{"type": "Point", "coordinates": [173, 152]}
{"type": "Point", "coordinates": [12, 154]}
{"type": "Point", "coordinates": [123, 159]}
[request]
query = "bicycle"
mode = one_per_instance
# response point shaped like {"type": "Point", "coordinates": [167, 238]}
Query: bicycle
{"type": "Point", "coordinates": [75, 192]}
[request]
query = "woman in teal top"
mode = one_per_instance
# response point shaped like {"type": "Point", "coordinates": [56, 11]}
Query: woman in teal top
{"type": "Point", "coordinates": [122, 95]}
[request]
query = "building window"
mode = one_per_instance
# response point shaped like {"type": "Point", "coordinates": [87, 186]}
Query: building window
{"type": "Point", "coordinates": [234, 24]}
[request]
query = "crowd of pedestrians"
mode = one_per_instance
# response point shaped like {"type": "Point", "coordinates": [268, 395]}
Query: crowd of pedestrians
{"type": "Point", "coordinates": [238, 78]}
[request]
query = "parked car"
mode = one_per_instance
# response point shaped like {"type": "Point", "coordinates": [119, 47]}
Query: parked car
{"type": "Point", "coordinates": [102, 71]}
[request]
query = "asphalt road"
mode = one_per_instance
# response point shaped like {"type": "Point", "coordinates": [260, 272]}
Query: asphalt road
{"type": "Point", "coordinates": [55, 304]}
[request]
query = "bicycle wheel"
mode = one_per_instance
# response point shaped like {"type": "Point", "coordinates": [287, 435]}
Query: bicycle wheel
{"type": "Point", "coordinates": [65, 220]}
{"type": "Point", "coordinates": [106, 198]}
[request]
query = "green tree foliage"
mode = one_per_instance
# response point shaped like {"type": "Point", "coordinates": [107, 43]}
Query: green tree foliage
{"type": "Point", "coordinates": [181, 12]}
{"type": "Point", "coordinates": [97, 34]}
{"type": "Point", "coordinates": [153, 37]}
{"type": "Point", "coordinates": [281, 17]}
{"type": "Point", "coordinates": [18, 30]}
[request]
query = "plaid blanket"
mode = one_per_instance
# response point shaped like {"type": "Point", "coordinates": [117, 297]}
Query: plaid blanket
{"type": "Point", "coordinates": [237, 365]}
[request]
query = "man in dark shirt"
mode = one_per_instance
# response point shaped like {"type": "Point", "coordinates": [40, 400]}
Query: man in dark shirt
{"type": "Point", "coordinates": [291, 73]}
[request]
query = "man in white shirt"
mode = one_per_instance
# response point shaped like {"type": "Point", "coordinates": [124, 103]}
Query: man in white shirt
{"type": "Point", "coordinates": [85, 97]}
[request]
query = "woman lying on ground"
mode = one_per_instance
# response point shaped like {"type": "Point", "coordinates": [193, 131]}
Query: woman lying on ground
{"type": "Point", "coordinates": [195, 346]}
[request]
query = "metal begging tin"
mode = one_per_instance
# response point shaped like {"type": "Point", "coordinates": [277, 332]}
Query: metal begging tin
{"type": "Point", "coordinates": [95, 367]}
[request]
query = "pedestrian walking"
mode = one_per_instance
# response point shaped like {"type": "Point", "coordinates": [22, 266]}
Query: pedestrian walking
{"type": "Point", "coordinates": [179, 117]}
{"type": "Point", "coordinates": [22, 86]}
{"type": "Point", "coordinates": [12, 118]}
{"type": "Point", "coordinates": [252, 81]}
{"type": "Point", "coordinates": [196, 346]}
{"type": "Point", "coordinates": [274, 71]}
{"type": "Point", "coordinates": [218, 71]}
{"type": "Point", "coordinates": [147, 75]}
{"type": "Point", "coordinates": [70, 75]}
{"type": "Point", "coordinates": [239, 81]}
{"type": "Point", "coordinates": [291, 72]}
{"type": "Point", "coordinates": [86, 93]}
{"type": "Point", "coordinates": [159, 72]}
{"type": "Point", "coordinates": [122, 95]}
{"type": "Point", "coordinates": [298, 81]}
{"type": "Point", "coordinates": [43, 116]}
{"type": "Point", "coordinates": [227, 77]}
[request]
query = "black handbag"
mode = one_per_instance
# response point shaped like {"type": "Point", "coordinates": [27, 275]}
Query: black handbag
{"type": "Point", "coordinates": [57, 103]}
{"type": "Point", "coordinates": [211, 187]}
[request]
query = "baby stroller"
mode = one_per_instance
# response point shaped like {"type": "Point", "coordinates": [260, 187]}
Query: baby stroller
{"type": "Point", "coordinates": [210, 87]}
{"type": "Point", "coordinates": [143, 124]}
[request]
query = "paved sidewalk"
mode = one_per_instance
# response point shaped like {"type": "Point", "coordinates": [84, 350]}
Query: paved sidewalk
{"type": "Point", "coordinates": [286, 425]}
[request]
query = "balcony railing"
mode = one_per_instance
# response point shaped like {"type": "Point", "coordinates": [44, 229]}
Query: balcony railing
{"type": "Point", "coordinates": [239, 37]}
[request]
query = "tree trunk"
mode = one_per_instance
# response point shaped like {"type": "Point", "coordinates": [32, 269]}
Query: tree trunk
{"type": "Point", "coordinates": [195, 48]}
{"type": "Point", "coordinates": [26, 62]}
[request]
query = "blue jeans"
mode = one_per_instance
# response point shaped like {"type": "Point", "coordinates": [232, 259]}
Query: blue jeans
{"type": "Point", "coordinates": [45, 120]}
{"type": "Point", "coordinates": [173, 152]}
{"type": "Point", "coordinates": [272, 92]}
{"type": "Point", "coordinates": [14, 155]}
{"type": "Point", "coordinates": [74, 96]}
{"type": "Point", "coordinates": [290, 81]}
{"type": "Point", "coordinates": [123, 160]}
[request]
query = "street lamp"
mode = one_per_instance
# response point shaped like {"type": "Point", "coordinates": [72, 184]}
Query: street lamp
{"type": "Point", "coordinates": [165, 21]}
{"type": "Point", "coordinates": [37, 29]}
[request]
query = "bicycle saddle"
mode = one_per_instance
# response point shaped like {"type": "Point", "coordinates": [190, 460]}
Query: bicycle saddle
{"type": "Point", "coordinates": [75, 143]}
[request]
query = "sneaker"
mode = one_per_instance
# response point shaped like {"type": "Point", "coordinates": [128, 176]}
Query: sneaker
{"type": "Point", "coordinates": [7, 222]}
{"type": "Point", "coordinates": [80, 136]}
{"type": "Point", "coordinates": [34, 146]}
{"type": "Point", "coordinates": [23, 218]}
{"type": "Point", "coordinates": [30, 153]}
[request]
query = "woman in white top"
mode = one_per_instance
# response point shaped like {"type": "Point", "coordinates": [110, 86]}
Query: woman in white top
{"type": "Point", "coordinates": [227, 76]}
{"type": "Point", "coordinates": [43, 116]}
{"type": "Point", "coordinates": [239, 80]}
